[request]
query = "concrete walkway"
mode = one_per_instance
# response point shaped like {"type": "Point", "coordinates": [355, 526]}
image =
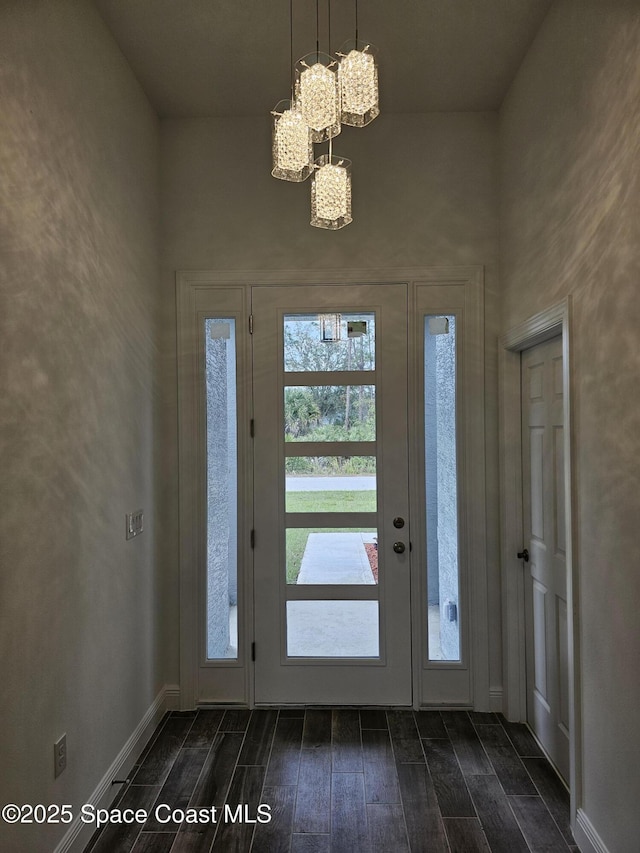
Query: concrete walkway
{"type": "Point", "coordinates": [334, 628]}
{"type": "Point", "coordinates": [336, 558]}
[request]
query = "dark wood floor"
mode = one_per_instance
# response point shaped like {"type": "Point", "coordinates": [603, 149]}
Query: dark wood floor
{"type": "Point", "coordinates": [345, 780]}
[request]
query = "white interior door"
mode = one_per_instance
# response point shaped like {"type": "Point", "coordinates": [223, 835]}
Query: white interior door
{"type": "Point", "coordinates": [544, 527]}
{"type": "Point", "coordinates": [331, 506]}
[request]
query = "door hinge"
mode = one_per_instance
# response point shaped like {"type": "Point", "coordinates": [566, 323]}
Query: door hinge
{"type": "Point", "coordinates": [253, 651]}
{"type": "Point", "coordinates": [253, 539]}
{"type": "Point", "coordinates": [250, 324]}
{"type": "Point", "coordinates": [252, 428]}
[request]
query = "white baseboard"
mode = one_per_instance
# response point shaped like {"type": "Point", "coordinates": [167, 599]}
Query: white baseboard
{"type": "Point", "coordinates": [172, 697]}
{"type": "Point", "coordinates": [78, 835]}
{"type": "Point", "coordinates": [586, 836]}
{"type": "Point", "coordinates": [495, 699]}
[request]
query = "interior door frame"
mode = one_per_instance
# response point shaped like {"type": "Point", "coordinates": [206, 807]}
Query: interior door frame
{"type": "Point", "coordinates": [471, 278]}
{"type": "Point", "coordinates": [554, 321]}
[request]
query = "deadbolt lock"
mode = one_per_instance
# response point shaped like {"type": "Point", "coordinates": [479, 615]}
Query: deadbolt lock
{"type": "Point", "coordinates": [398, 522]}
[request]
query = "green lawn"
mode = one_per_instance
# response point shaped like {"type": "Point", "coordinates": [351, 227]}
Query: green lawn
{"type": "Point", "coordinates": [340, 501]}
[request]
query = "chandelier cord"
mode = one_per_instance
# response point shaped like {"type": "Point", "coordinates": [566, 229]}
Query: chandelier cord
{"type": "Point", "coordinates": [291, 47]}
{"type": "Point", "coordinates": [356, 23]}
{"type": "Point", "coordinates": [329, 25]}
{"type": "Point", "coordinates": [317, 30]}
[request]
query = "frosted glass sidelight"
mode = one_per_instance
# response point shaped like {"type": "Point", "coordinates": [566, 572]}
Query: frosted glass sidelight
{"type": "Point", "coordinates": [222, 489]}
{"type": "Point", "coordinates": [441, 478]}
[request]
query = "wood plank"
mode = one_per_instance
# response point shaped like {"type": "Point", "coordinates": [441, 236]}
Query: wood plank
{"type": "Point", "coordinates": [425, 829]}
{"type": "Point", "coordinates": [348, 814]}
{"type": "Point", "coordinates": [152, 740]}
{"type": "Point", "coordinates": [120, 837]}
{"type": "Point", "coordinates": [373, 719]}
{"type": "Point", "coordinates": [211, 790]}
{"type": "Point", "coordinates": [317, 729]}
{"type": "Point", "coordinates": [213, 784]}
{"type": "Point", "coordinates": [404, 737]}
{"type": "Point", "coordinates": [448, 781]}
{"type": "Point", "coordinates": [537, 825]}
{"type": "Point", "coordinates": [204, 729]}
{"type": "Point", "coordinates": [346, 745]}
{"type": "Point", "coordinates": [430, 724]}
{"type": "Point", "coordinates": [235, 720]}
{"type": "Point", "coordinates": [496, 817]}
{"type": "Point", "coordinates": [387, 830]}
{"type": "Point", "coordinates": [156, 766]}
{"type": "Point", "coordinates": [521, 738]}
{"type": "Point", "coordinates": [245, 790]}
{"type": "Point", "coordinates": [553, 792]}
{"type": "Point", "coordinates": [466, 836]}
{"type": "Point", "coordinates": [310, 843]}
{"type": "Point", "coordinates": [154, 842]}
{"type": "Point", "coordinates": [285, 752]}
{"type": "Point", "coordinates": [257, 742]}
{"type": "Point", "coordinates": [178, 788]}
{"type": "Point", "coordinates": [469, 751]}
{"type": "Point", "coordinates": [509, 768]}
{"type": "Point", "coordinates": [275, 836]}
{"type": "Point", "coordinates": [483, 718]}
{"type": "Point", "coordinates": [380, 777]}
{"type": "Point", "coordinates": [313, 802]}
{"type": "Point", "coordinates": [292, 712]}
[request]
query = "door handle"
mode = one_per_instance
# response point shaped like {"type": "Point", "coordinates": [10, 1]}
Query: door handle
{"type": "Point", "coordinates": [524, 555]}
{"type": "Point", "coordinates": [398, 547]}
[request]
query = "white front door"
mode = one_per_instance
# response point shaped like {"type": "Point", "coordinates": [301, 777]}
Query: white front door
{"type": "Point", "coordinates": [544, 527]}
{"type": "Point", "coordinates": [331, 495]}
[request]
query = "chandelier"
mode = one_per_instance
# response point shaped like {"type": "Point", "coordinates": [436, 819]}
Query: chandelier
{"type": "Point", "coordinates": [326, 92]}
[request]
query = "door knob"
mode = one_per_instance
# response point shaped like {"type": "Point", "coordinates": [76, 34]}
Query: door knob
{"type": "Point", "coordinates": [398, 522]}
{"type": "Point", "coordinates": [524, 555]}
{"type": "Point", "coordinates": [398, 547]}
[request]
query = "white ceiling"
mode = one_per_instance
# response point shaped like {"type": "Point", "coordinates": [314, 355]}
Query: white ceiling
{"type": "Point", "coordinates": [232, 57]}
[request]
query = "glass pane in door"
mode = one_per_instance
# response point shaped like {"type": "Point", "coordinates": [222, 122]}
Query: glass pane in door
{"type": "Point", "coordinates": [333, 629]}
{"type": "Point", "coordinates": [332, 555]}
{"type": "Point", "coordinates": [330, 484]}
{"type": "Point", "coordinates": [441, 479]}
{"type": "Point", "coordinates": [222, 489]}
{"type": "Point", "coordinates": [330, 413]}
{"type": "Point", "coordinates": [331, 341]}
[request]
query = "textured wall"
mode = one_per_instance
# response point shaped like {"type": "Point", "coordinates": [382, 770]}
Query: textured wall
{"type": "Point", "coordinates": [424, 193]}
{"type": "Point", "coordinates": [80, 636]}
{"type": "Point", "coordinates": [570, 223]}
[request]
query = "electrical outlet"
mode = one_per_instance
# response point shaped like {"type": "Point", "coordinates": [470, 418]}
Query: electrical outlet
{"type": "Point", "coordinates": [135, 522]}
{"type": "Point", "coordinates": [60, 755]}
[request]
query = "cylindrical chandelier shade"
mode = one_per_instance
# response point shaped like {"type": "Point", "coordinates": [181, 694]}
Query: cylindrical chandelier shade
{"type": "Point", "coordinates": [358, 82]}
{"type": "Point", "coordinates": [331, 193]}
{"type": "Point", "coordinates": [292, 146]}
{"type": "Point", "coordinates": [317, 93]}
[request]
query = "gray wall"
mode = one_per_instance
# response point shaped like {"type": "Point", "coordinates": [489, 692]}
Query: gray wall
{"type": "Point", "coordinates": [81, 638]}
{"type": "Point", "coordinates": [424, 193]}
{"type": "Point", "coordinates": [570, 223]}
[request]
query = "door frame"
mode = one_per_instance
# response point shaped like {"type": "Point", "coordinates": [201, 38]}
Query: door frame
{"type": "Point", "coordinates": [555, 320]}
{"type": "Point", "coordinates": [471, 280]}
